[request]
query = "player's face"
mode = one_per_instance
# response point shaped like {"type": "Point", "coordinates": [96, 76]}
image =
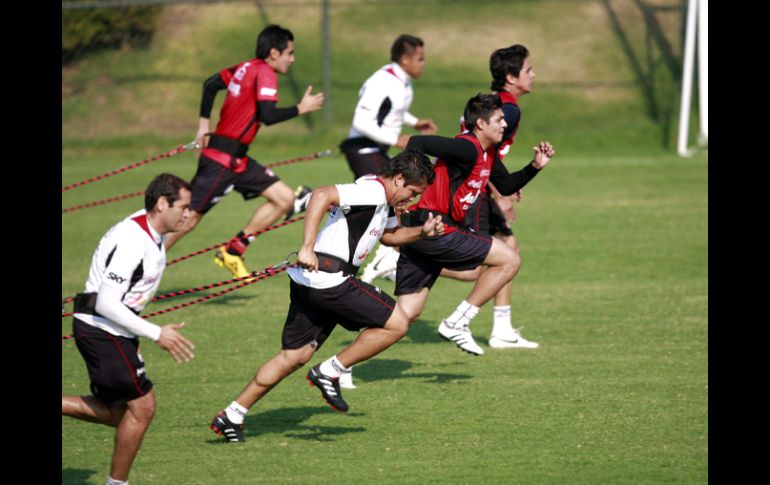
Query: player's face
{"type": "Point", "coordinates": [523, 83]}
{"type": "Point", "coordinates": [176, 215]}
{"type": "Point", "coordinates": [405, 193]}
{"type": "Point", "coordinates": [493, 130]}
{"type": "Point", "coordinates": [414, 64]}
{"type": "Point", "coordinates": [284, 59]}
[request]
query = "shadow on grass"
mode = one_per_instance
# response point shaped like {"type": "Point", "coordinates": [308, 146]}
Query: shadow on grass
{"type": "Point", "coordinates": [288, 422]}
{"type": "Point", "coordinates": [386, 369]}
{"type": "Point", "coordinates": [75, 476]}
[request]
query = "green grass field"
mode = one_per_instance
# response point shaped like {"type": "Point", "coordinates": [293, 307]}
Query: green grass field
{"type": "Point", "coordinates": [614, 286]}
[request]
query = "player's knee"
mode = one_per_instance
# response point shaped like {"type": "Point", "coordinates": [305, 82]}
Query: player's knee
{"type": "Point", "coordinates": [282, 196]}
{"type": "Point", "coordinates": [294, 359]}
{"type": "Point", "coordinates": [144, 409]}
{"type": "Point", "coordinates": [398, 324]}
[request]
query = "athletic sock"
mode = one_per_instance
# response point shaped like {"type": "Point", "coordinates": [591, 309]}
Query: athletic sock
{"type": "Point", "coordinates": [501, 325]}
{"type": "Point", "coordinates": [462, 316]}
{"type": "Point", "coordinates": [333, 368]}
{"type": "Point", "coordinates": [235, 412]}
{"type": "Point", "coordinates": [238, 245]}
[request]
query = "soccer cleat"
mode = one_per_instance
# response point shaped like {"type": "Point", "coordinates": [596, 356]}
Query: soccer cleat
{"type": "Point", "coordinates": [383, 265]}
{"type": "Point", "coordinates": [329, 387]}
{"type": "Point", "coordinates": [511, 340]}
{"type": "Point", "coordinates": [301, 199]}
{"type": "Point", "coordinates": [461, 337]}
{"type": "Point", "coordinates": [222, 426]}
{"type": "Point", "coordinates": [234, 264]}
{"type": "Point", "coordinates": [346, 380]}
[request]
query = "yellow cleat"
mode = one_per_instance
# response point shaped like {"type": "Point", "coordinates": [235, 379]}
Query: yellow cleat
{"type": "Point", "coordinates": [234, 264]}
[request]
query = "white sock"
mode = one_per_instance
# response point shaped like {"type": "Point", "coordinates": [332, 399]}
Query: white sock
{"type": "Point", "coordinates": [235, 412]}
{"type": "Point", "coordinates": [502, 321]}
{"type": "Point", "coordinates": [333, 368]}
{"type": "Point", "coordinates": [462, 316]}
{"type": "Point", "coordinates": [112, 481]}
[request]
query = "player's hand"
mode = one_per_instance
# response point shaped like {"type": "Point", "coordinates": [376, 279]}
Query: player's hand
{"type": "Point", "coordinates": [310, 102]}
{"type": "Point", "coordinates": [433, 226]}
{"type": "Point", "coordinates": [426, 127]}
{"type": "Point", "coordinates": [402, 141]}
{"type": "Point", "coordinates": [307, 259]}
{"type": "Point", "coordinates": [543, 153]}
{"type": "Point", "coordinates": [173, 342]}
{"type": "Point", "coordinates": [505, 203]}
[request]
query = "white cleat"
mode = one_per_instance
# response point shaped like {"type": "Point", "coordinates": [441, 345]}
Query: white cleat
{"type": "Point", "coordinates": [346, 380]}
{"type": "Point", "coordinates": [384, 262]}
{"type": "Point", "coordinates": [462, 338]}
{"type": "Point", "coordinates": [511, 340]}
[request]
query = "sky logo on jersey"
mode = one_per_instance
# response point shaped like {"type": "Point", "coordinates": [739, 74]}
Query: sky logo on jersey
{"type": "Point", "coordinates": [484, 173]}
{"type": "Point", "coordinates": [268, 91]}
{"type": "Point", "coordinates": [114, 277]}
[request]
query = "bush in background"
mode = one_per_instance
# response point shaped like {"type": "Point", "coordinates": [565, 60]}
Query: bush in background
{"type": "Point", "coordinates": [87, 30]}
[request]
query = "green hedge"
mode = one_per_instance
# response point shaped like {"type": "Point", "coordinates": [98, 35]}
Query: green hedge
{"type": "Point", "coordinates": [87, 30]}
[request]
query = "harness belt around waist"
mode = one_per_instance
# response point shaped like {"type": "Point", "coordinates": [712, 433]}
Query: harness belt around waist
{"type": "Point", "coordinates": [332, 264]}
{"type": "Point", "coordinates": [86, 303]}
{"type": "Point", "coordinates": [227, 145]}
{"type": "Point", "coordinates": [419, 216]}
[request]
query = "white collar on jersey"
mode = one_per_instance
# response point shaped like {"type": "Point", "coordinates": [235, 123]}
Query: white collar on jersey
{"type": "Point", "coordinates": [399, 72]}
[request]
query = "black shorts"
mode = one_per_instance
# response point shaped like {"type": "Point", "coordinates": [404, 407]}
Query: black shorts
{"type": "Point", "coordinates": [114, 364]}
{"type": "Point", "coordinates": [421, 262]}
{"type": "Point", "coordinates": [213, 181]}
{"type": "Point", "coordinates": [364, 157]}
{"type": "Point", "coordinates": [314, 313]}
{"type": "Point", "coordinates": [491, 218]}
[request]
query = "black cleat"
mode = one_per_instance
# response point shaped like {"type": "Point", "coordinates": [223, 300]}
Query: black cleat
{"type": "Point", "coordinates": [224, 427]}
{"type": "Point", "coordinates": [330, 388]}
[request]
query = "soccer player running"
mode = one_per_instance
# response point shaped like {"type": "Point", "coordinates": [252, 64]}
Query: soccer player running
{"type": "Point", "coordinates": [252, 94]}
{"type": "Point", "coordinates": [512, 77]}
{"type": "Point", "coordinates": [465, 165]}
{"type": "Point", "coordinates": [126, 269]}
{"type": "Point", "coordinates": [381, 112]}
{"type": "Point", "coordinates": [325, 292]}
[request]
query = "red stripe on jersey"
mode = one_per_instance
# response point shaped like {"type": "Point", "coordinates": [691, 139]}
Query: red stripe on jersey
{"type": "Point", "coordinates": [142, 221]}
{"type": "Point", "coordinates": [391, 71]}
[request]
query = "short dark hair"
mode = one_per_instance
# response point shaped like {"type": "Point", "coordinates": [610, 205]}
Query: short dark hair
{"type": "Point", "coordinates": [164, 185]}
{"type": "Point", "coordinates": [404, 44]}
{"type": "Point", "coordinates": [480, 106]}
{"type": "Point", "coordinates": [507, 60]}
{"type": "Point", "coordinates": [413, 164]}
{"type": "Point", "coordinates": [272, 37]}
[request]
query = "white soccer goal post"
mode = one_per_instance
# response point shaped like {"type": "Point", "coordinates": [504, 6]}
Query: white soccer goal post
{"type": "Point", "coordinates": [696, 9]}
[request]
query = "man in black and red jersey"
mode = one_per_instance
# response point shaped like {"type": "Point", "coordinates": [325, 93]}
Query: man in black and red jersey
{"type": "Point", "coordinates": [465, 165]}
{"type": "Point", "coordinates": [512, 77]}
{"type": "Point", "coordinates": [252, 94]}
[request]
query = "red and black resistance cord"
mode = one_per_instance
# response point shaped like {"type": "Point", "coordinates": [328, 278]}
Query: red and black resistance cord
{"type": "Point", "coordinates": [245, 281]}
{"type": "Point", "coordinates": [170, 153]}
{"type": "Point", "coordinates": [74, 208]}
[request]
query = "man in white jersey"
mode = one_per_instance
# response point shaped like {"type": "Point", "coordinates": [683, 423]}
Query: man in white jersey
{"type": "Point", "coordinates": [325, 291]}
{"type": "Point", "coordinates": [125, 273]}
{"type": "Point", "coordinates": [381, 112]}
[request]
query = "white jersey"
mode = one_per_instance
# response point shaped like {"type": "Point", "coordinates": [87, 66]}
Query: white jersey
{"type": "Point", "coordinates": [383, 105]}
{"type": "Point", "coordinates": [351, 231]}
{"type": "Point", "coordinates": [131, 258]}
